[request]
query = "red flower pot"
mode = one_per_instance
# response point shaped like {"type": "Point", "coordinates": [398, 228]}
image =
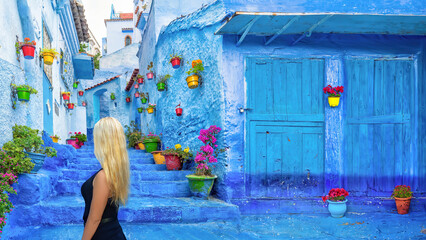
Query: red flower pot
{"type": "Point", "coordinates": [66, 96]}
{"type": "Point", "coordinates": [136, 86]}
{"type": "Point", "coordinates": [150, 75]}
{"type": "Point", "coordinates": [140, 80]}
{"type": "Point", "coordinates": [179, 111]}
{"type": "Point", "coordinates": [136, 94]}
{"type": "Point", "coordinates": [70, 106]}
{"type": "Point", "coordinates": [74, 142]}
{"type": "Point", "coordinates": [127, 99]}
{"type": "Point", "coordinates": [80, 93]}
{"type": "Point", "coordinates": [83, 104]}
{"type": "Point", "coordinates": [137, 147]}
{"type": "Point", "coordinates": [173, 162]}
{"type": "Point", "coordinates": [176, 63]}
{"type": "Point", "coordinates": [28, 51]}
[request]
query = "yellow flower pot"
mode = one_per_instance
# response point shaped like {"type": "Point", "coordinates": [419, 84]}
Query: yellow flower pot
{"type": "Point", "coordinates": [158, 157]}
{"type": "Point", "coordinates": [54, 139]}
{"type": "Point", "coordinates": [141, 146]}
{"type": "Point", "coordinates": [150, 110]}
{"type": "Point", "coordinates": [48, 58]}
{"type": "Point", "coordinates": [192, 81]}
{"type": "Point", "coordinates": [333, 101]}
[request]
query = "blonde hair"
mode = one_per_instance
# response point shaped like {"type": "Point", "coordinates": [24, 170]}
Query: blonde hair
{"type": "Point", "coordinates": [111, 152]}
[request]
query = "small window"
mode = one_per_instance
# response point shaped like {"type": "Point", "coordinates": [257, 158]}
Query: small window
{"type": "Point", "coordinates": [127, 40]}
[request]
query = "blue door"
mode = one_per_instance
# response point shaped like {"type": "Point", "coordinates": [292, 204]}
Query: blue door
{"type": "Point", "coordinates": [285, 127]}
{"type": "Point", "coordinates": [379, 125]}
{"type": "Point", "coordinates": [47, 106]}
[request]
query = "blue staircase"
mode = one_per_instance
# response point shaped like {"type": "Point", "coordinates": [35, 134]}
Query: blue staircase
{"type": "Point", "coordinates": [156, 195]}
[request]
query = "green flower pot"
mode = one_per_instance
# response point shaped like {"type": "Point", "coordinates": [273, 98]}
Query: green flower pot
{"type": "Point", "coordinates": [200, 186]}
{"type": "Point", "coordinates": [23, 94]}
{"type": "Point", "coordinates": [143, 100]}
{"type": "Point", "coordinates": [140, 110]}
{"type": "Point", "coordinates": [75, 85]}
{"type": "Point", "coordinates": [150, 145]}
{"type": "Point", "coordinates": [161, 86]}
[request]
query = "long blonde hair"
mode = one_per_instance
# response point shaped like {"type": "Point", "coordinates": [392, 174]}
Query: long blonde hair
{"type": "Point", "coordinates": [111, 152]}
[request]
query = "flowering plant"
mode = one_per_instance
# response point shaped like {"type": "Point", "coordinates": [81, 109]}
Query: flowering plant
{"type": "Point", "coordinates": [163, 79]}
{"type": "Point", "coordinates": [208, 152]}
{"type": "Point", "coordinates": [174, 56]}
{"type": "Point", "coordinates": [153, 137]}
{"type": "Point", "coordinates": [197, 66]}
{"type": "Point", "coordinates": [336, 195]}
{"type": "Point", "coordinates": [150, 67]}
{"type": "Point", "coordinates": [402, 191]}
{"type": "Point", "coordinates": [150, 105]}
{"type": "Point", "coordinates": [49, 51]}
{"type": "Point", "coordinates": [27, 41]}
{"type": "Point", "coordinates": [133, 134]}
{"type": "Point", "coordinates": [333, 91]}
{"type": "Point", "coordinates": [177, 150]}
{"type": "Point", "coordinates": [27, 87]}
{"type": "Point", "coordinates": [139, 76]}
{"type": "Point", "coordinates": [56, 136]}
{"type": "Point", "coordinates": [81, 137]}
{"type": "Point", "coordinates": [5, 189]}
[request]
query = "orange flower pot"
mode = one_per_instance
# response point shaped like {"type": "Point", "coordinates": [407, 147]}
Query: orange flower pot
{"type": "Point", "coordinates": [158, 157]}
{"type": "Point", "coordinates": [402, 205]}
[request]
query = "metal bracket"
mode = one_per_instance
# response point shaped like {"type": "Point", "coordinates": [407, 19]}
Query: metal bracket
{"type": "Point", "coordinates": [287, 25]}
{"type": "Point", "coordinates": [247, 29]}
{"type": "Point", "coordinates": [308, 33]}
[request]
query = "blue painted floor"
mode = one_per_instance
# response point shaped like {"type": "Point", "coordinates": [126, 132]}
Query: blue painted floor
{"type": "Point", "coordinates": [285, 226]}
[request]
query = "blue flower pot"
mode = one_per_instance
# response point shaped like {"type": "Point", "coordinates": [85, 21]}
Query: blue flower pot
{"type": "Point", "coordinates": [337, 209]}
{"type": "Point", "coordinates": [37, 159]}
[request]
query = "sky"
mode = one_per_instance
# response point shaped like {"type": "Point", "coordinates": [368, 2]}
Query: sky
{"type": "Point", "coordinates": [98, 10]}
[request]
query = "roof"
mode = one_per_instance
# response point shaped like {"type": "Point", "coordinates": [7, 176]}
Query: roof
{"type": "Point", "coordinates": [80, 22]}
{"type": "Point", "coordinates": [106, 81]}
{"type": "Point", "coordinates": [131, 81]}
{"type": "Point", "coordinates": [117, 20]}
{"type": "Point", "coordinates": [126, 15]}
{"type": "Point", "coordinates": [271, 25]}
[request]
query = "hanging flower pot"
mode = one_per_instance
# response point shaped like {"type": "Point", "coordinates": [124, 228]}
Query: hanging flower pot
{"type": "Point", "coordinates": [28, 51]}
{"type": "Point", "coordinates": [49, 55]}
{"type": "Point", "coordinates": [140, 79]}
{"type": "Point", "coordinates": [23, 94]}
{"type": "Point", "coordinates": [75, 85]}
{"type": "Point", "coordinates": [128, 99]}
{"type": "Point", "coordinates": [175, 61]}
{"type": "Point", "coordinates": [179, 110]}
{"type": "Point", "coordinates": [80, 93]}
{"type": "Point", "coordinates": [200, 186]}
{"type": "Point", "coordinates": [66, 96]}
{"type": "Point", "coordinates": [144, 100]}
{"type": "Point", "coordinates": [137, 94]}
{"type": "Point", "coordinates": [136, 86]}
{"type": "Point", "coordinates": [112, 96]}
{"type": "Point", "coordinates": [140, 110]}
{"type": "Point", "coordinates": [173, 162]}
{"type": "Point", "coordinates": [83, 103]}
{"type": "Point", "coordinates": [70, 106]}
{"type": "Point", "coordinates": [55, 138]}
{"type": "Point", "coordinates": [150, 75]}
{"type": "Point", "coordinates": [158, 157]}
{"type": "Point", "coordinates": [161, 87]}
{"type": "Point", "coordinates": [333, 95]}
{"type": "Point", "coordinates": [150, 110]}
{"type": "Point", "coordinates": [192, 81]}
{"type": "Point", "coordinates": [161, 84]}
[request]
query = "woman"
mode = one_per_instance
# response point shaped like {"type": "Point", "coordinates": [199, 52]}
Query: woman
{"type": "Point", "coordinates": [108, 187]}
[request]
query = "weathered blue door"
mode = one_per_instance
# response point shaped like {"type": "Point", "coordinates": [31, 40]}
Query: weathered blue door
{"type": "Point", "coordinates": [380, 105]}
{"type": "Point", "coordinates": [285, 127]}
{"type": "Point", "coordinates": [47, 106]}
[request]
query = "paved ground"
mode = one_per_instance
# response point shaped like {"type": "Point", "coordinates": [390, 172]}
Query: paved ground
{"type": "Point", "coordinates": [285, 226]}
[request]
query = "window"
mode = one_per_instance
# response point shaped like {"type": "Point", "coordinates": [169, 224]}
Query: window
{"type": "Point", "coordinates": [127, 40]}
{"type": "Point", "coordinates": [47, 44]}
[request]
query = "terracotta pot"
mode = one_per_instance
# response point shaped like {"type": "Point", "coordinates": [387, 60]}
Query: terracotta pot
{"type": "Point", "coordinates": [173, 162]}
{"type": "Point", "coordinates": [175, 63]}
{"type": "Point", "coordinates": [28, 51]}
{"type": "Point", "coordinates": [179, 111]}
{"type": "Point", "coordinates": [158, 157]}
{"type": "Point", "coordinates": [402, 205]}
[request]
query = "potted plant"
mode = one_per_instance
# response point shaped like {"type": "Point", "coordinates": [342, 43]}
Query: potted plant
{"type": "Point", "coordinates": [28, 48]}
{"type": "Point", "coordinates": [178, 110]}
{"type": "Point", "coordinates": [70, 106]}
{"type": "Point", "coordinates": [66, 95]}
{"type": "Point", "coordinates": [151, 142]}
{"type": "Point", "coordinates": [128, 99]}
{"type": "Point", "coordinates": [24, 92]}
{"type": "Point", "coordinates": [144, 98]}
{"type": "Point", "coordinates": [201, 183]}
{"type": "Point", "coordinates": [133, 135]}
{"type": "Point", "coordinates": [176, 156]}
{"type": "Point", "coordinates": [140, 79]}
{"type": "Point", "coordinates": [48, 55]}
{"type": "Point", "coordinates": [175, 60]}
{"type": "Point", "coordinates": [336, 199]}
{"type": "Point", "coordinates": [402, 195]}
{"type": "Point", "coordinates": [151, 108]}
{"type": "Point", "coordinates": [77, 140]}
{"type": "Point", "coordinates": [55, 138]}
{"type": "Point", "coordinates": [27, 145]}
{"type": "Point", "coordinates": [140, 110]}
{"type": "Point", "coordinates": [83, 103]}
{"type": "Point", "coordinates": [158, 157]}
{"type": "Point", "coordinates": [150, 74]}
{"type": "Point", "coordinates": [7, 178]}
{"type": "Point", "coordinates": [75, 84]}
{"type": "Point", "coordinates": [80, 93]}
{"type": "Point", "coordinates": [112, 96]}
{"type": "Point", "coordinates": [194, 73]}
{"type": "Point", "coordinates": [161, 84]}
{"type": "Point", "coordinates": [333, 94]}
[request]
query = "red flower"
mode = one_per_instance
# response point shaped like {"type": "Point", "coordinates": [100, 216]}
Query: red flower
{"type": "Point", "coordinates": [324, 198]}
{"type": "Point", "coordinates": [79, 132]}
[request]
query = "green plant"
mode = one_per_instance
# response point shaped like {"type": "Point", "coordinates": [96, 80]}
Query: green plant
{"type": "Point", "coordinates": [49, 51]}
{"type": "Point", "coordinates": [197, 66]}
{"type": "Point", "coordinates": [6, 179]}
{"type": "Point", "coordinates": [27, 41]}
{"type": "Point", "coordinates": [29, 88]}
{"type": "Point", "coordinates": [83, 48]}
{"type": "Point", "coordinates": [56, 136]}
{"type": "Point", "coordinates": [143, 95]}
{"type": "Point", "coordinates": [150, 66]}
{"type": "Point", "coordinates": [402, 191]}
{"type": "Point", "coordinates": [152, 136]}
{"type": "Point", "coordinates": [14, 160]}
{"type": "Point", "coordinates": [173, 56]}
{"type": "Point", "coordinates": [133, 134]}
{"type": "Point", "coordinates": [150, 105]}
{"type": "Point", "coordinates": [139, 76]}
{"type": "Point", "coordinates": [81, 137]}
{"type": "Point", "coordinates": [163, 79]}
{"type": "Point", "coordinates": [96, 60]}
{"type": "Point", "coordinates": [177, 150]}
{"type": "Point", "coordinates": [113, 96]}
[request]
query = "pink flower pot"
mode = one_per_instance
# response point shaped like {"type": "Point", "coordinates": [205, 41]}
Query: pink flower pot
{"type": "Point", "coordinates": [74, 142]}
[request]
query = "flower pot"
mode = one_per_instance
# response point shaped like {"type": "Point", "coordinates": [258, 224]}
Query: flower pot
{"type": "Point", "coordinates": [140, 110]}
{"type": "Point", "coordinates": [402, 205]}
{"type": "Point", "coordinates": [175, 63]}
{"type": "Point", "coordinates": [75, 85]}
{"type": "Point", "coordinates": [158, 157]}
{"type": "Point", "coordinates": [141, 146]}
{"type": "Point", "coordinates": [150, 75]}
{"type": "Point", "coordinates": [173, 162]}
{"type": "Point", "coordinates": [54, 139]}
{"type": "Point", "coordinates": [74, 142]}
{"type": "Point", "coordinates": [28, 51]}
{"type": "Point", "coordinates": [150, 110]}
{"type": "Point", "coordinates": [136, 86]}
{"type": "Point", "coordinates": [70, 106]}
{"type": "Point", "coordinates": [23, 94]}
{"type": "Point", "coordinates": [66, 96]}
{"type": "Point", "coordinates": [161, 86]}
{"type": "Point", "coordinates": [127, 99]}
{"type": "Point", "coordinates": [112, 97]}
{"type": "Point", "coordinates": [143, 100]}
{"type": "Point", "coordinates": [136, 94]}
{"type": "Point", "coordinates": [137, 147]}
{"type": "Point", "coordinates": [150, 145]}
{"type": "Point", "coordinates": [48, 58]}
{"type": "Point", "coordinates": [333, 101]}
{"type": "Point", "coordinates": [83, 104]}
{"type": "Point", "coordinates": [37, 159]}
{"type": "Point", "coordinates": [337, 209]}
{"type": "Point", "coordinates": [80, 93]}
{"type": "Point", "coordinates": [140, 80]}
{"type": "Point", "coordinates": [179, 111]}
{"type": "Point", "coordinates": [200, 186]}
{"type": "Point", "coordinates": [192, 81]}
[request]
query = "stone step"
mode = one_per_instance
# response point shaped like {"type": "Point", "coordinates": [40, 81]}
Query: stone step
{"type": "Point", "coordinates": [94, 164]}
{"type": "Point", "coordinates": [79, 174]}
{"type": "Point", "coordinates": [131, 154]}
{"type": "Point", "coordinates": [69, 210]}
{"type": "Point", "coordinates": [71, 163]}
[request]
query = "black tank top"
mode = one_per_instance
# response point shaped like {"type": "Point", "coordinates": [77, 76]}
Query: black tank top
{"type": "Point", "coordinates": [111, 210]}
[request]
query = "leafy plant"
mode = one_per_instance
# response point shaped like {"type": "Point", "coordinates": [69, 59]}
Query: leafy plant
{"type": "Point", "coordinates": [336, 195]}
{"type": "Point", "coordinates": [112, 96]}
{"type": "Point", "coordinates": [153, 137]}
{"type": "Point", "coordinates": [402, 191]}
{"type": "Point", "coordinates": [96, 60]}
{"type": "Point", "coordinates": [49, 51]}
{"type": "Point", "coordinates": [27, 87]}
{"type": "Point", "coordinates": [81, 137]}
{"type": "Point", "coordinates": [143, 95]}
{"type": "Point", "coordinates": [150, 67]}
{"type": "Point", "coordinates": [56, 136]}
{"type": "Point", "coordinates": [333, 91]}
{"type": "Point", "coordinates": [183, 154]}
{"type": "Point", "coordinates": [83, 48]}
{"type": "Point", "coordinates": [133, 134]}
{"type": "Point", "coordinates": [6, 179]}
{"type": "Point", "coordinates": [163, 79]}
{"type": "Point", "coordinates": [14, 160]}
{"type": "Point", "coordinates": [174, 56]}
{"type": "Point", "coordinates": [150, 105]}
{"type": "Point", "coordinates": [27, 41]}
{"type": "Point", "coordinates": [67, 93]}
{"type": "Point", "coordinates": [197, 66]}
{"type": "Point", "coordinates": [139, 76]}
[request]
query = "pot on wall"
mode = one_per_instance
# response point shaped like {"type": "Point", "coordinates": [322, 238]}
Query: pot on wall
{"type": "Point", "coordinates": [150, 110]}
{"type": "Point", "coordinates": [161, 87]}
{"type": "Point", "coordinates": [179, 111]}
{"type": "Point", "coordinates": [158, 157]}
{"type": "Point", "coordinates": [333, 101]}
{"type": "Point", "coordinates": [37, 159]}
{"type": "Point", "coordinates": [144, 100]}
{"type": "Point", "coordinates": [75, 85]}
{"type": "Point", "coordinates": [54, 139]}
{"type": "Point", "coordinates": [28, 51]}
{"type": "Point", "coordinates": [128, 99]}
{"type": "Point", "coordinates": [80, 93]}
{"type": "Point", "coordinates": [192, 81]}
{"type": "Point", "coordinates": [48, 58]}
{"type": "Point", "coordinates": [200, 186]}
{"type": "Point", "coordinates": [137, 94]}
{"type": "Point", "coordinates": [66, 96]}
{"type": "Point", "coordinates": [136, 86]}
{"type": "Point", "coordinates": [150, 75]}
{"type": "Point", "coordinates": [337, 209]}
{"type": "Point", "coordinates": [70, 106]}
{"type": "Point", "coordinates": [140, 80]}
{"type": "Point", "coordinates": [140, 110]}
{"type": "Point", "coordinates": [402, 205]}
{"type": "Point", "coordinates": [83, 103]}
{"type": "Point", "coordinates": [175, 62]}
{"type": "Point", "coordinates": [23, 94]}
